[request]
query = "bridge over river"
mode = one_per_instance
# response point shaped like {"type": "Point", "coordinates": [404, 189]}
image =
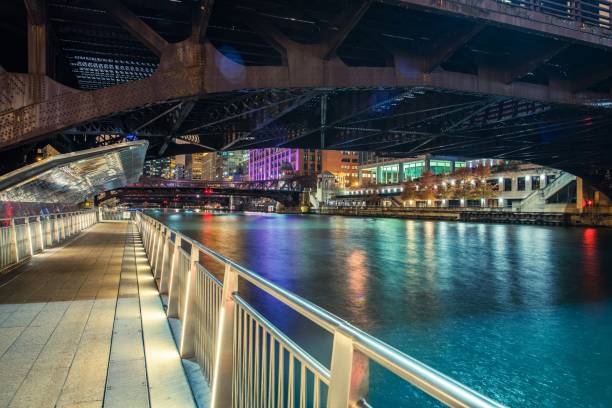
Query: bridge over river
{"type": "Point", "coordinates": [514, 79]}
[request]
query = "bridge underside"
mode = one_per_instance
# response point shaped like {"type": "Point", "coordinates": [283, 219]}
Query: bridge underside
{"type": "Point", "coordinates": [517, 80]}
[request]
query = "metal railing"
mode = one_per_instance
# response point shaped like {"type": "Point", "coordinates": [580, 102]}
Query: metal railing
{"type": "Point", "coordinates": [113, 214]}
{"type": "Point", "coordinates": [250, 362]}
{"type": "Point", "coordinates": [591, 12]}
{"type": "Point", "coordinates": [21, 238]}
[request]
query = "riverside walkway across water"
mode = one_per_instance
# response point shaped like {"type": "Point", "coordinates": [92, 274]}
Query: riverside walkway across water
{"type": "Point", "coordinates": [72, 332]}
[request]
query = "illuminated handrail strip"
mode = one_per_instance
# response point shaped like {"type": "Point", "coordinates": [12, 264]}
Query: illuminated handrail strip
{"type": "Point", "coordinates": [44, 215]}
{"type": "Point", "coordinates": [420, 375]}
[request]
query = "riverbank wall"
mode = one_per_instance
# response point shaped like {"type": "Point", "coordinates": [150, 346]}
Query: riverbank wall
{"type": "Point", "coordinates": [470, 215]}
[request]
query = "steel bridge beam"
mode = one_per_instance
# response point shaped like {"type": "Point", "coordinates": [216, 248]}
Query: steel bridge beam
{"type": "Point", "coordinates": [130, 22]}
{"type": "Point", "coordinates": [342, 27]}
{"type": "Point", "coordinates": [306, 69]}
{"type": "Point", "coordinates": [33, 105]}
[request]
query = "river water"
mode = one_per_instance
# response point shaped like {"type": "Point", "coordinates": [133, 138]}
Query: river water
{"type": "Point", "coordinates": [520, 313]}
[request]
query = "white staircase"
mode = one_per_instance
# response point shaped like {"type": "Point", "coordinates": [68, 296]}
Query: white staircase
{"type": "Point", "coordinates": [314, 201]}
{"type": "Point", "coordinates": [536, 201]}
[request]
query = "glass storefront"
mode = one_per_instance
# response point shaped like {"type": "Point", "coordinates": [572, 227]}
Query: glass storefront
{"type": "Point", "coordinates": [389, 174]}
{"type": "Point", "coordinates": [413, 170]}
{"type": "Point", "coordinates": [440, 166]}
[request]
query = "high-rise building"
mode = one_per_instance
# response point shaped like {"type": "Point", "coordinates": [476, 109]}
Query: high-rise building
{"type": "Point", "coordinates": [163, 167]}
{"type": "Point", "coordinates": [212, 166]}
{"type": "Point", "coordinates": [197, 166]}
{"type": "Point", "coordinates": [219, 165]}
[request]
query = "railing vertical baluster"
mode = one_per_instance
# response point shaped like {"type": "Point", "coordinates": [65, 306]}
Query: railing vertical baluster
{"type": "Point", "coordinates": [173, 285]}
{"type": "Point", "coordinates": [188, 328]}
{"type": "Point", "coordinates": [280, 403]}
{"type": "Point", "coordinates": [291, 381]}
{"type": "Point", "coordinates": [256, 383]}
{"type": "Point", "coordinates": [249, 360]}
{"type": "Point", "coordinates": [302, 385]}
{"type": "Point", "coordinates": [264, 368]}
{"type": "Point", "coordinates": [349, 373]}
{"type": "Point", "coordinates": [222, 372]}
{"type": "Point", "coordinates": [271, 372]}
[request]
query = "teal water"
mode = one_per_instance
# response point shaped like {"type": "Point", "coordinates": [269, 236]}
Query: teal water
{"type": "Point", "coordinates": [520, 313]}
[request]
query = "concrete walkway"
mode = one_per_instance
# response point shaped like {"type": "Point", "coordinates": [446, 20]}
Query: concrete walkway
{"type": "Point", "coordinates": [71, 329]}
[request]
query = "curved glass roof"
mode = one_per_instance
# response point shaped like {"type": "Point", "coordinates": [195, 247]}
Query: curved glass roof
{"type": "Point", "coordinates": [72, 178]}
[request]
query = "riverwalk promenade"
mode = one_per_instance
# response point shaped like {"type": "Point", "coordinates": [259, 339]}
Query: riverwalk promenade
{"type": "Point", "coordinates": [82, 325]}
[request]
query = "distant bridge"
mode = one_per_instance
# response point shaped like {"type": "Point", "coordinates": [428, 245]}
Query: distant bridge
{"type": "Point", "coordinates": [162, 192]}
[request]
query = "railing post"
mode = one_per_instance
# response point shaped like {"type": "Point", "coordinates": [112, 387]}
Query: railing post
{"type": "Point", "coordinates": [47, 230]}
{"type": "Point", "coordinates": [349, 374]}
{"type": "Point", "coordinates": [56, 236]}
{"type": "Point", "coordinates": [159, 268]}
{"type": "Point", "coordinates": [188, 328]}
{"type": "Point", "coordinates": [150, 234]}
{"type": "Point", "coordinates": [157, 244]}
{"type": "Point", "coordinates": [29, 235]}
{"type": "Point", "coordinates": [62, 227]}
{"type": "Point", "coordinates": [14, 232]}
{"type": "Point", "coordinates": [40, 233]}
{"type": "Point", "coordinates": [173, 285]}
{"type": "Point", "coordinates": [223, 368]}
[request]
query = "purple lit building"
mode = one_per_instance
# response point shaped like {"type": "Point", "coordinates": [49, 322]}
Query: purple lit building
{"type": "Point", "coordinates": [265, 164]}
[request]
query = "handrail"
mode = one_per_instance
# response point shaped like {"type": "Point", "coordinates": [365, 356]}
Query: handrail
{"type": "Point", "coordinates": [23, 237]}
{"type": "Point", "coordinates": [45, 215]}
{"type": "Point", "coordinates": [429, 380]}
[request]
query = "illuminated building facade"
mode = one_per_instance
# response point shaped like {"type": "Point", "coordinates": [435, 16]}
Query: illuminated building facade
{"type": "Point", "coordinates": [400, 170]}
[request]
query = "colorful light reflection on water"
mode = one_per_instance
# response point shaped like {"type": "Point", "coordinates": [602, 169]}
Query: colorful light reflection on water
{"type": "Point", "coordinates": [520, 313]}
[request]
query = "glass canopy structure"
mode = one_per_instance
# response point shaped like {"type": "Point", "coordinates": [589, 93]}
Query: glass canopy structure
{"type": "Point", "coordinates": [72, 178]}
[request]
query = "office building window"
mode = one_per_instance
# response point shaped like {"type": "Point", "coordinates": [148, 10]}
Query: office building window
{"type": "Point", "coordinates": [507, 184]}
